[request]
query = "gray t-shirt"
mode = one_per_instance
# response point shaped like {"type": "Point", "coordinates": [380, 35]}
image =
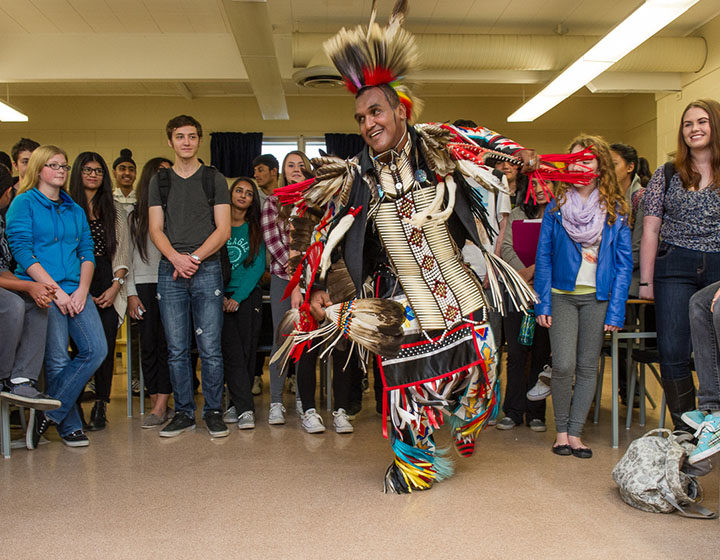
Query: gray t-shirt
{"type": "Point", "coordinates": [188, 216]}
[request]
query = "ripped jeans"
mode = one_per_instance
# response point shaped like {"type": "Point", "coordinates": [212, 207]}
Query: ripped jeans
{"type": "Point", "coordinates": [201, 295]}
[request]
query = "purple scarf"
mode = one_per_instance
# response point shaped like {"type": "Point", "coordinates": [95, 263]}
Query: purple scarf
{"type": "Point", "coordinates": [583, 220]}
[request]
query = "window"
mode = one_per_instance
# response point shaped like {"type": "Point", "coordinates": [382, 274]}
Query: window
{"type": "Point", "coordinates": [279, 147]}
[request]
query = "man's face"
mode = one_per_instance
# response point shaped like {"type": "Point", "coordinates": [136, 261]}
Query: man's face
{"type": "Point", "coordinates": [381, 126]}
{"type": "Point", "coordinates": [185, 142]}
{"type": "Point", "coordinates": [125, 174]}
{"type": "Point", "coordinates": [264, 176]}
{"type": "Point", "coordinates": [22, 162]}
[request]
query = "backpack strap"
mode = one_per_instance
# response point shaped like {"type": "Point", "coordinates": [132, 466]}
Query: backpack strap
{"type": "Point", "coordinates": [208, 184]}
{"type": "Point", "coordinates": [163, 176]}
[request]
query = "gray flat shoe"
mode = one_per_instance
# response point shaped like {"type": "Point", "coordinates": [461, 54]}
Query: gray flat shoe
{"type": "Point", "coordinates": [152, 421]}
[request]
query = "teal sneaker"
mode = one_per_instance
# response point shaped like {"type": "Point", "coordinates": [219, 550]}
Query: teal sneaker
{"type": "Point", "coordinates": [708, 439]}
{"type": "Point", "coordinates": [693, 418]}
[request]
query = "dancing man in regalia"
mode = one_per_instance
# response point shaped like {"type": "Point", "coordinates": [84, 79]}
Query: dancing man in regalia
{"type": "Point", "coordinates": [377, 241]}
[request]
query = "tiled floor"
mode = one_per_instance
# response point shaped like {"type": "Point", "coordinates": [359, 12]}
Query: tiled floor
{"type": "Point", "coordinates": [277, 492]}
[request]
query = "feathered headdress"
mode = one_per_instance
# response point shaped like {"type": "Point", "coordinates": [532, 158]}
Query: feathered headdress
{"type": "Point", "coordinates": [375, 56]}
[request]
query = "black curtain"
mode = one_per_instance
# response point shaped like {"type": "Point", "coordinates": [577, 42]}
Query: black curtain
{"type": "Point", "coordinates": [232, 153]}
{"type": "Point", "coordinates": [343, 145]}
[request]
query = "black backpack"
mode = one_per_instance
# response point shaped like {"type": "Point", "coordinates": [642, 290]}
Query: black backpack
{"type": "Point", "coordinates": [208, 183]}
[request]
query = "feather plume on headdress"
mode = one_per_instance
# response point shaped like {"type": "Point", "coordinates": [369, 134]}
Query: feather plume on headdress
{"type": "Point", "coordinates": [375, 56]}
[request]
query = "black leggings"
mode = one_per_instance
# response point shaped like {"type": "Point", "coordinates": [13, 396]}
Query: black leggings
{"type": "Point", "coordinates": [239, 345]}
{"type": "Point", "coordinates": [153, 347]}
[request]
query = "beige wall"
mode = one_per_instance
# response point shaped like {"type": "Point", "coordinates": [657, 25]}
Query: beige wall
{"type": "Point", "coordinates": [703, 84]}
{"type": "Point", "coordinates": [107, 124]}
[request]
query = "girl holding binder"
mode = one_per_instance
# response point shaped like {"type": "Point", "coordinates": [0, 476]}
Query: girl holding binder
{"type": "Point", "coordinates": [518, 249]}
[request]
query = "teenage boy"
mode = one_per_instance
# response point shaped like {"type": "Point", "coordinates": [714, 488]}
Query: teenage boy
{"type": "Point", "coordinates": [23, 324]}
{"type": "Point", "coordinates": [125, 173]}
{"type": "Point", "coordinates": [265, 171]}
{"type": "Point", "coordinates": [21, 153]}
{"type": "Point", "coordinates": [188, 231]}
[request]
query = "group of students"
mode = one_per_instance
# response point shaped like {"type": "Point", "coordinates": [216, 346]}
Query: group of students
{"type": "Point", "coordinates": [76, 256]}
{"type": "Point", "coordinates": [78, 253]}
{"type": "Point", "coordinates": [656, 238]}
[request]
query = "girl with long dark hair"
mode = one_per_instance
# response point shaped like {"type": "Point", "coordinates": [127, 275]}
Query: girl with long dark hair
{"type": "Point", "coordinates": [517, 407]}
{"type": "Point", "coordinates": [142, 301]}
{"type": "Point", "coordinates": [91, 189]}
{"type": "Point", "coordinates": [243, 300]}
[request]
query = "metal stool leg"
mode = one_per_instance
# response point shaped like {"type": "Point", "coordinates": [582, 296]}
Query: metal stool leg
{"type": "Point", "coordinates": [128, 349]}
{"type": "Point", "coordinates": [631, 399]}
{"type": "Point", "coordinates": [5, 431]}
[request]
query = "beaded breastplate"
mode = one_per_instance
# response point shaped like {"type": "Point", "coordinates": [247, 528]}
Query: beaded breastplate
{"type": "Point", "coordinates": [440, 288]}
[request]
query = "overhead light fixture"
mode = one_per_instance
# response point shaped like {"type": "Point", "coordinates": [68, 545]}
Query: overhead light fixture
{"type": "Point", "coordinates": [634, 30]}
{"type": "Point", "coordinates": [10, 114]}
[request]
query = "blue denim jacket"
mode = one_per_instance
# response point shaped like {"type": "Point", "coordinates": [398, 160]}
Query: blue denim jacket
{"type": "Point", "coordinates": [558, 261]}
{"type": "Point", "coordinates": [55, 235]}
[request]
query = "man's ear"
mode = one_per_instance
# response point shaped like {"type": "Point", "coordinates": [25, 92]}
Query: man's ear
{"type": "Point", "coordinates": [274, 173]}
{"type": "Point", "coordinates": [401, 111]}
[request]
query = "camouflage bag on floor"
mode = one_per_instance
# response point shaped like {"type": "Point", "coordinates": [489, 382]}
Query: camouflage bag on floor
{"type": "Point", "coordinates": [653, 475]}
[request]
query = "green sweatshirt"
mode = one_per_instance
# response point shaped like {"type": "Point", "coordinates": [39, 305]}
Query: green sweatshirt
{"type": "Point", "coordinates": [243, 279]}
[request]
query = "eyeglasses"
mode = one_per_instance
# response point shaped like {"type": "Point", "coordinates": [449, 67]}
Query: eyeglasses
{"type": "Point", "coordinates": [90, 170]}
{"type": "Point", "coordinates": [57, 166]}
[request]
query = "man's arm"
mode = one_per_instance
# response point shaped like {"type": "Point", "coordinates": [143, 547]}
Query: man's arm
{"type": "Point", "coordinates": [219, 237]}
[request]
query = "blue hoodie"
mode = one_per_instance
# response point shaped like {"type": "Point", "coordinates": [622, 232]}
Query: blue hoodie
{"type": "Point", "coordinates": [54, 234]}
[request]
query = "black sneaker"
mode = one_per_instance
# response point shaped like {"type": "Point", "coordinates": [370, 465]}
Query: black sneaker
{"type": "Point", "coordinates": [215, 424]}
{"type": "Point", "coordinates": [180, 423]}
{"type": "Point", "coordinates": [25, 394]}
{"type": "Point", "coordinates": [76, 439]}
{"type": "Point", "coordinates": [37, 426]}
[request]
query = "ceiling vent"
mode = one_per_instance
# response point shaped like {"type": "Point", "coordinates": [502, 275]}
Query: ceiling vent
{"type": "Point", "coordinates": [319, 73]}
{"type": "Point", "coordinates": [318, 77]}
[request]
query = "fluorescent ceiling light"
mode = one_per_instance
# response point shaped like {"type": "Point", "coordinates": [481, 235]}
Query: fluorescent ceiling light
{"type": "Point", "coordinates": [639, 26]}
{"type": "Point", "coordinates": [10, 114]}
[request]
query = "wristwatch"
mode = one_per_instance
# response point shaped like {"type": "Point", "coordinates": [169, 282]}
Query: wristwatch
{"type": "Point", "coordinates": [119, 280]}
{"type": "Point", "coordinates": [195, 258]}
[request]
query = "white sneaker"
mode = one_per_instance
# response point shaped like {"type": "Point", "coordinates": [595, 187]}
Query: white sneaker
{"type": "Point", "coordinates": [312, 422]}
{"type": "Point", "coordinates": [257, 386]}
{"type": "Point", "coordinates": [546, 374]}
{"type": "Point", "coordinates": [277, 413]}
{"type": "Point", "coordinates": [342, 422]}
{"type": "Point", "coordinates": [231, 415]}
{"type": "Point", "coordinates": [298, 406]}
{"type": "Point", "coordinates": [539, 392]}
{"type": "Point", "coordinates": [246, 421]}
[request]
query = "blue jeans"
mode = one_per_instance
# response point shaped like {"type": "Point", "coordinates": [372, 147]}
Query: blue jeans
{"type": "Point", "coordinates": [201, 295]}
{"type": "Point", "coordinates": [679, 273]}
{"type": "Point", "coordinates": [705, 328]}
{"type": "Point", "coordinates": [66, 378]}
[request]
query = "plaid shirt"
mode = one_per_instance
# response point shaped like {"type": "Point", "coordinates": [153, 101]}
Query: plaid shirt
{"type": "Point", "coordinates": [6, 258]}
{"type": "Point", "coordinates": [276, 238]}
